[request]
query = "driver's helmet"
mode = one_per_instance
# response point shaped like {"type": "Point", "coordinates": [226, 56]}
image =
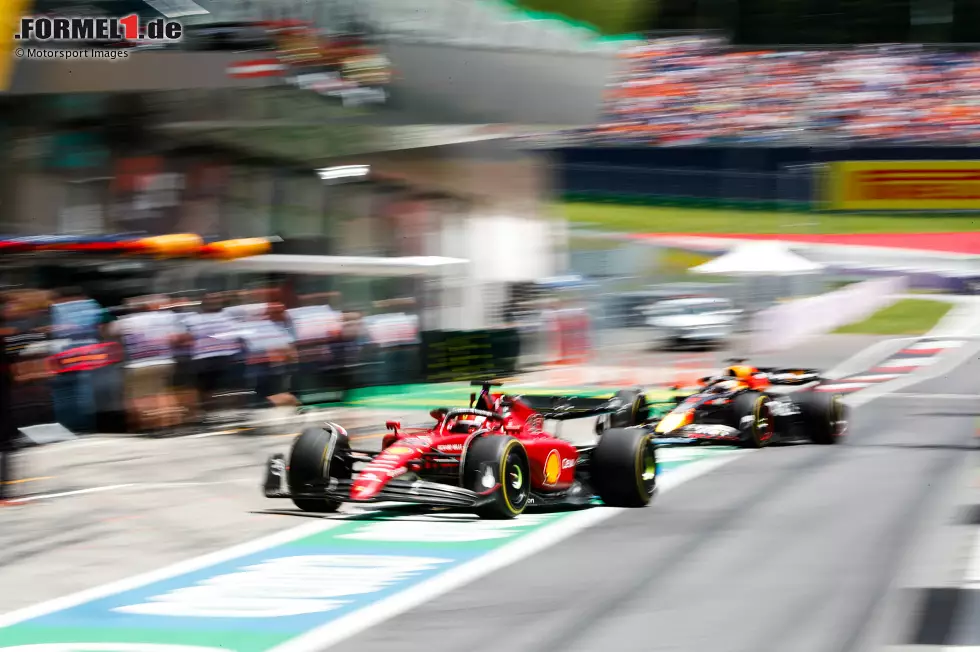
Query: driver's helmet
{"type": "Point", "coordinates": [723, 386]}
{"type": "Point", "coordinates": [741, 372]}
{"type": "Point", "coordinates": [467, 424]}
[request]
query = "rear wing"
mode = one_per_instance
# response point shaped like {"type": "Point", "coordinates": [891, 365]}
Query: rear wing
{"type": "Point", "coordinates": [565, 408]}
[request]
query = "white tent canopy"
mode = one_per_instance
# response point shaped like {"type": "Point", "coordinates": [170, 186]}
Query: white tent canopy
{"type": "Point", "coordinates": [759, 259]}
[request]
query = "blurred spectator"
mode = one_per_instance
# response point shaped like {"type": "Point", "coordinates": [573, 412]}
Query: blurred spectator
{"type": "Point", "coordinates": [346, 350]}
{"type": "Point", "coordinates": [691, 90]}
{"type": "Point", "coordinates": [76, 322]}
{"type": "Point", "coordinates": [148, 335]}
{"type": "Point", "coordinates": [185, 385]}
{"type": "Point", "coordinates": [216, 350]}
{"type": "Point", "coordinates": [27, 350]}
{"type": "Point", "coordinates": [271, 356]}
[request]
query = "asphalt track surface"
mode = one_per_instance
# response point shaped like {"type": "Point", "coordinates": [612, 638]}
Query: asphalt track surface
{"type": "Point", "coordinates": [789, 548]}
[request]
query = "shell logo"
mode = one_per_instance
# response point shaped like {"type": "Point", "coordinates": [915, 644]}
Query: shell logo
{"type": "Point", "coordinates": [552, 468]}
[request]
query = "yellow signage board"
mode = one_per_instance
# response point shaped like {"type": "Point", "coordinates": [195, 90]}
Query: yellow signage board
{"type": "Point", "coordinates": [904, 185]}
{"type": "Point", "coordinates": [11, 11]}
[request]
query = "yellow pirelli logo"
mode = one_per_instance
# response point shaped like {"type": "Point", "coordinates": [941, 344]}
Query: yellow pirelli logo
{"type": "Point", "coordinates": [904, 185]}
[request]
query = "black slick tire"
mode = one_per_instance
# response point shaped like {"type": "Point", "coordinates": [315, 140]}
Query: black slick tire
{"type": "Point", "coordinates": [498, 463]}
{"type": "Point", "coordinates": [314, 459]}
{"type": "Point", "coordinates": [624, 468]}
{"type": "Point", "coordinates": [634, 412]}
{"type": "Point", "coordinates": [823, 416]}
{"type": "Point", "coordinates": [758, 433]}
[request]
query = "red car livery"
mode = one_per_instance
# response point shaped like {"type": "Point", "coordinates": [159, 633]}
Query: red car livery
{"type": "Point", "coordinates": [494, 457]}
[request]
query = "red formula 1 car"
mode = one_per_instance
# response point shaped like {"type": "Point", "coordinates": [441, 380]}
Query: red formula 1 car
{"type": "Point", "coordinates": [493, 457]}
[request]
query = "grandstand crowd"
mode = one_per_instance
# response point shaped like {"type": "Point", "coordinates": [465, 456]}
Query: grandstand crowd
{"type": "Point", "coordinates": [698, 90]}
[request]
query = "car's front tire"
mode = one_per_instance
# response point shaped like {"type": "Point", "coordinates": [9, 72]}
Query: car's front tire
{"type": "Point", "coordinates": [313, 459]}
{"type": "Point", "coordinates": [634, 412]}
{"type": "Point", "coordinates": [758, 432]}
{"type": "Point", "coordinates": [624, 468]}
{"type": "Point", "coordinates": [502, 462]}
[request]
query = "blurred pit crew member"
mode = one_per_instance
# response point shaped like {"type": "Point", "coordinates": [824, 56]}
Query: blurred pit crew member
{"type": "Point", "coordinates": [76, 321]}
{"type": "Point", "coordinates": [28, 349]}
{"type": "Point", "coordinates": [147, 336]}
{"type": "Point", "coordinates": [271, 357]}
{"type": "Point", "coordinates": [217, 351]}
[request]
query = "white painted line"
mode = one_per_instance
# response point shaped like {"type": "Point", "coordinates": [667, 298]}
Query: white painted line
{"type": "Point", "coordinates": [180, 568]}
{"type": "Point", "coordinates": [875, 378]}
{"type": "Point", "coordinates": [837, 387]}
{"type": "Point", "coordinates": [378, 612]}
{"type": "Point", "coordinates": [202, 435]}
{"type": "Point", "coordinates": [77, 492]}
{"type": "Point", "coordinates": [117, 487]}
{"type": "Point", "coordinates": [906, 363]}
{"type": "Point", "coordinates": [938, 397]}
{"type": "Point", "coordinates": [930, 345]}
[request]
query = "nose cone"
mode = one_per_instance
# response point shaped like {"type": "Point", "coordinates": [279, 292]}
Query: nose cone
{"type": "Point", "coordinates": [673, 421]}
{"type": "Point", "coordinates": [366, 486]}
{"type": "Point", "coordinates": [391, 463]}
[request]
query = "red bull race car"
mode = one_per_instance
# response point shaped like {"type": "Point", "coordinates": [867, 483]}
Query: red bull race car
{"type": "Point", "coordinates": [493, 457]}
{"type": "Point", "coordinates": [754, 407]}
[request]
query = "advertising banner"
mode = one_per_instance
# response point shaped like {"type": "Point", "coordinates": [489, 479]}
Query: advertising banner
{"type": "Point", "coordinates": [904, 185]}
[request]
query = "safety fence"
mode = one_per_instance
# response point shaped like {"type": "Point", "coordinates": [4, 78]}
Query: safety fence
{"type": "Point", "coordinates": [773, 177]}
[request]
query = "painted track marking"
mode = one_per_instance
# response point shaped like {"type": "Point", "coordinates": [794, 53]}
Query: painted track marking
{"type": "Point", "coordinates": [180, 568]}
{"type": "Point", "coordinates": [944, 365]}
{"type": "Point", "coordinates": [119, 487]}
{"type": "Point", "coordinates": [378, 612]}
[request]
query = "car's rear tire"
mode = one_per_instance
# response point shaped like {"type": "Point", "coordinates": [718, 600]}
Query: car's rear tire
{"type": "Point", "coordinates": [634, 412]}
{"type": "Point", "coordinates": [823, 416]}
{"type": "Point", "coordinates": [502, 462]}
{"type": "Point", "coordinates": [623, 467]}
{"type": "Point", "coordinates": [315, 457]}
{"type": "Point", "coordinates": [759, 432]}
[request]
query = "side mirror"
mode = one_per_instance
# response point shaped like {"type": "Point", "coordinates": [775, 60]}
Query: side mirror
{"type": "Point", "coordinates": [394, 425]}
{"type": "Point", "coordinates": [512, 429]}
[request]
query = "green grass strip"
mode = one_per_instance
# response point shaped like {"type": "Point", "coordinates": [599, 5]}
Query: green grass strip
{"type": "Point", "coordinates": [904, 317]}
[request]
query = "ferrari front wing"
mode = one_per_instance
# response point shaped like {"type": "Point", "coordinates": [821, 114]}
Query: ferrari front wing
{"type": "Point", "coordinates": [396, 490]}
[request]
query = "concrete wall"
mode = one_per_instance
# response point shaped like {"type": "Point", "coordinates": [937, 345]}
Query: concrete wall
{"type": "Point", "coordinates": [141, 71]}
{"type": "Point", "coordinates": [467, 84]}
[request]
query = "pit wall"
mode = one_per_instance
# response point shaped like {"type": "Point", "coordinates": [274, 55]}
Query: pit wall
{"type": "Point", "coordinates": [790, 324]}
